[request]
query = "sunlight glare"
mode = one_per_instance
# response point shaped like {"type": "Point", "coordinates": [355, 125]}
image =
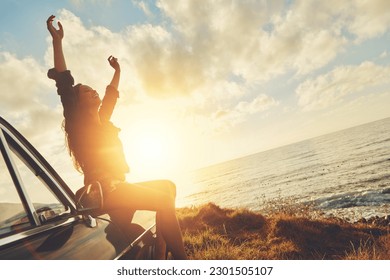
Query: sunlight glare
{"type": "Point", "coordinates": [153, 149]}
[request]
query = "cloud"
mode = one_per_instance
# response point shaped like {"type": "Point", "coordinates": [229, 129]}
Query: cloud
{"type": "Point", "coordinates": [261, 39]}
{"type": "Point", "coordinates": [257, 39]}
{"type": "Point", "coordinates": [329, 89]}
{"type": "Point", "coordinates": [369, 18]}
{"type": "Point", "coordinates": [306, 36]}
{"type": "Point", "coordinates": [25, 94]}
{"type": "Point", "coordinates": [225, 37]}
{"type": "Point", "coordinates": [144, 7]}
{"type": "Point", "coordinates": [22, 83]}
{"type": "Point", "coordinates": [225, 119]}
{"type": "Point", "coordinates": [163, 67]}
{"type": "Point", "coordinates": [259, 104]}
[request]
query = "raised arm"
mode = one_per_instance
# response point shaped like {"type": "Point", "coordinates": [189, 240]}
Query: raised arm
{"type": "Point", "coordinates": [57, 36]}
{"type": "Point", "coordinates": [112, 93]}
{"type": "Point", "coordinates": [117, 74]}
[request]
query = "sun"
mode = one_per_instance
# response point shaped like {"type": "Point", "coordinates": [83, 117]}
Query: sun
{"type": "Point", "coordinates": [152, 148]}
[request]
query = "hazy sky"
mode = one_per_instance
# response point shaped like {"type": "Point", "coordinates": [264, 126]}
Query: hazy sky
{"type": "Point", "coordinates": [202, 81]}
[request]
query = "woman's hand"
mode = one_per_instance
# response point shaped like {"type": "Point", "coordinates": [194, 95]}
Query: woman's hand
{"type": "Point", "coordinates": [114, 62]}
{"type": "Point", "coordinates": [55, 34]}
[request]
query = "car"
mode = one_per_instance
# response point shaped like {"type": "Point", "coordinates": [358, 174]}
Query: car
{"type": "Point", "coordinates": [42, 218]}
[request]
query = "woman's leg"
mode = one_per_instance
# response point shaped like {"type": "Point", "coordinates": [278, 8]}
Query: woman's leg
{"type": "Point", "coordinates": [161, 245]}
{"type": "Point", "coordinates": [168, 188]}
{"type": "Point", "coordinates": [156, 196]}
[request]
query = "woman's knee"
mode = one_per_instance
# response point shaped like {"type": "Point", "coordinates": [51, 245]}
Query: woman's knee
{"type": "Point", "coordinates": [168, 199]}
{"type": "Point", "coordinates": [165, 186]}
{"type": "Point", "coordinates": [171, 188]}
{"type": "Point", "coordinates": [167, 202]}
{"type": "Point", "coordinates": [151, 195]}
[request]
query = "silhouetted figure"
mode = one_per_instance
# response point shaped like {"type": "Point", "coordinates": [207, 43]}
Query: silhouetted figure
{"type": "Point", "coordinates": [97, 151]}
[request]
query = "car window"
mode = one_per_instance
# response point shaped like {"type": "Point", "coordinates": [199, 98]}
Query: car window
{"type": "Point", "coordinates": [13, 217]}
{"type": "Point", "coordinates": [47, 205]}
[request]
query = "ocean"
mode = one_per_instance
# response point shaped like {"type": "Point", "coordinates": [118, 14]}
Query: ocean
{"type": "Point", "coordinates": [345, 174]}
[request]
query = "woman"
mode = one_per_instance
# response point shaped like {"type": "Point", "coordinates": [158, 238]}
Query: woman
{"type": "Point", "coordinates": [97, 152]}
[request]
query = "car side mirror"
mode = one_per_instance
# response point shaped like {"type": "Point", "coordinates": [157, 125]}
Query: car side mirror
{"type": "Point", "coordinates": [89, 198]}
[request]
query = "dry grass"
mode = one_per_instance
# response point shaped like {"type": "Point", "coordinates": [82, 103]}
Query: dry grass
{"type": "Point", "coordinates": [211, 232]}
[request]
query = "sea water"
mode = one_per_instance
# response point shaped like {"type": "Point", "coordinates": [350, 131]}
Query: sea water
{"type": "Point", "coordinates": [345, 173]}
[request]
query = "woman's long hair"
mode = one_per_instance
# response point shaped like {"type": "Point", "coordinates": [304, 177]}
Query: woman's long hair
{"type": "Point", "coordinates": [71, 129]}
{"type": "Point", "coordinates": [72, 126]}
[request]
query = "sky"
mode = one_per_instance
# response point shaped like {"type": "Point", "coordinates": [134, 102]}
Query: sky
{"type": "Point", "coordinates": [202, 81]}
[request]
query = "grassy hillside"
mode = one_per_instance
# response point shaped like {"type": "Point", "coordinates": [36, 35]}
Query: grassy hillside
{"type": "Point", "coordinates": [289, 233]}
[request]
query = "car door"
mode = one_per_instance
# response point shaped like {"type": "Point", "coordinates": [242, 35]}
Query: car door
{"type": "Point", "coordinates": [38, 218]}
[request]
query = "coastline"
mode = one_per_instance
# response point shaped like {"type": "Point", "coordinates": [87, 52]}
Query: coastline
{"type": "Point", "coordinates": [344, 174]}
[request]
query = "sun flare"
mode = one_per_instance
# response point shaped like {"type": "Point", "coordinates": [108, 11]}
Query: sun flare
{"type": "Point", "coordinates": [153, 148]}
